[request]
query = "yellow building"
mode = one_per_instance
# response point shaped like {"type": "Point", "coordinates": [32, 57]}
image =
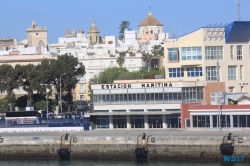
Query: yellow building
{"type": "Point", "coordinates": [193, 57]}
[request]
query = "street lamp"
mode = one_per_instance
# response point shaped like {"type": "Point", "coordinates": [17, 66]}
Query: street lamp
{"type": "Point", "coordinates": [61, 92]}
{"type": "Point", "coordinates": [218, 98]}
{"type": "Point", "coordinates": [46, 99]}
{"type": "Point", "coordinates": [143, 73]}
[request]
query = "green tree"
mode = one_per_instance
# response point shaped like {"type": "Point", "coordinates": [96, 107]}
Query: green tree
{"type": "Point", "coordinates": [41, 105]}
{"type": "Point", "coordinates": [120, 60]}
{"type": "Point", "coordinates": [4, 105]}
{"type": "Point", "coordinates": [50, 72]}
{"type": "Point", "coordinates": [147, 58]}
{"type": "Point", "coordinates": [9, 80]}
{"type": "Point", "coordinates": [124, 25]}
{"type": "Point", "coordinates": [158, 52]}
{"type": "Point", "coordinates": [28, 79]}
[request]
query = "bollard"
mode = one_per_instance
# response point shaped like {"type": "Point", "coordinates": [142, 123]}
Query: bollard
{"type": "Point", "coordinates": [141, 153]}
{"type": "Point", "coordinates": [64, 152]}
{"type": "Point", "coordinates": [227, 145]}
{"type": "Point", "coordinates": [66, 136]}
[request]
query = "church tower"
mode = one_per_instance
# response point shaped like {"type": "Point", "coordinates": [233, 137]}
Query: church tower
{"type": "Point", "coordinates": [36, 35]}
{"type": "Point", "coordinates": [93, 34]}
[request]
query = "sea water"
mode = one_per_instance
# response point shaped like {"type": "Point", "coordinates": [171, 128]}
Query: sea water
{"type": "Point", "coordinates": [115, 163]}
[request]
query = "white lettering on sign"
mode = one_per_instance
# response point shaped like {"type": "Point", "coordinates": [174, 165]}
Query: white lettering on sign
{"type": "Point", "coordinates": [47, 140]}
{"type": "Point", "coordinates": [143, 85]}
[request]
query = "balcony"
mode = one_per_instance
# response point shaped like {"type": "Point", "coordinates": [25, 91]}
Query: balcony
{"type": "Point", "coordinates": [82, 91]}
{"type": "Point", "coordinates": [82, 80]}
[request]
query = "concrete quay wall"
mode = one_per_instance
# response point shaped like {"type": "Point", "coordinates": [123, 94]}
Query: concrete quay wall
{"type": "Point", "coordinates": [173, 148]}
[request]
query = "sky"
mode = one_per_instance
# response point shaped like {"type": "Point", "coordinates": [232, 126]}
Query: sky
{"type": "Point", "coordinates": [178, 17]}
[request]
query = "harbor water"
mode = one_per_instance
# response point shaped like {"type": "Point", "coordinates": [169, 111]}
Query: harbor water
{"type": "Point", "coordinates": [114, 163]}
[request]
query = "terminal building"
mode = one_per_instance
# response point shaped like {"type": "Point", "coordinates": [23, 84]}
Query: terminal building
{"type": "Point", "coordinates": [144, 103]}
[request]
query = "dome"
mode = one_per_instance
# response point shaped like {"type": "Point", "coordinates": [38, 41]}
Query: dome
{"type": "Point", "coordinates": [93, 28]}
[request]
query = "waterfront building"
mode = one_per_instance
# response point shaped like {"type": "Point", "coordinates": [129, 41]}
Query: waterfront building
{"type": "Point", "coordinates": [193, 57]}
{"type": "Point", "coordinates": [235, 112]}
{"type": "Point", "coordinates": [155, 103]}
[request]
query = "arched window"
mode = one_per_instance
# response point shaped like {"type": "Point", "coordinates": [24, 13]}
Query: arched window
{"type": "Point", "coordinates": [96, 39]}
{"type": "Point", "coordinates": [151, 31]}
{"type": "Point", "coordinates": [90, 38]}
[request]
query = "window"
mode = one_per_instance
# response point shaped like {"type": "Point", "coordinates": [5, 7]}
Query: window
{"type": "Point", "coordinates": [91, 54]}
{"type": "Point", "coordinates": [242, 89]}
{"type": "Point", "coordinates": [131, 63]}
{"type": "Point", "coordinates": [111, 63]}
{"type": "Point", "coordinates": [36, 33]}
{"type": "Point", "coordinates": [81, 87]}
{"type": "Point", "coordinates": [211, 73]}
{"type": "Point", "coordinates": [173, 54]}
{"type": "Point", "coordinates": [175, 72]}
{"type": "Point", "coordinates": [194, 72]}
{"type": "Point", "coordinates": [214, 52]}
{"type": "Point", "coordinates": [239, 52]}
{"type": "Point", "coordinates": [82, 97]}
{"type": "Point", "coordinates": [191, 53]}
{"type": "Point", "coordinates": [231, 72]}
{"type": "Point", "coordinates": [232, 52]}
{"type": "Point", "coordinates": [231, 89]}
{"type": "Point", "coordinates": [110, 42]}
{"type": "Point", "coordinates": [101, 63]}
{"type": "Point", "coordinates": [151, 31]}
{"type": "Point", "coordinates": [241, 72]}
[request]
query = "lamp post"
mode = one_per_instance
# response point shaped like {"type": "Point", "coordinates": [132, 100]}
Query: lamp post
{"type": "Point", "coordinates": [218, 98]}
{"type": "Point", "coordinates": [143, 73]}
{"type": "Point", "coordinates": [61, 92]}
{"type": "Point", "coordinates": [46, 99]}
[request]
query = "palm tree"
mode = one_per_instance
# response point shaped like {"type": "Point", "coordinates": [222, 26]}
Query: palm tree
{"type": "Point", "coordinates": [158, 52]}
{"type": "Point", "coordinates": [147, 58]}
{"type": "Point", "coordinates": [120, 60]}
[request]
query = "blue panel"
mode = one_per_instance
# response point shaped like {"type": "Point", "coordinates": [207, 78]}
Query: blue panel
{"type": "Point", "coordinates": [238, 32]}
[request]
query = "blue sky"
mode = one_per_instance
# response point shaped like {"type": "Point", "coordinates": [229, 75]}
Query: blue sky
{"type": "Point", "coordinates": [183, 16]}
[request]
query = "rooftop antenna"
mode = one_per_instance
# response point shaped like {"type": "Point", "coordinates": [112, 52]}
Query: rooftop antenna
{"type": "Point", "coordinates": [239, 18]}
